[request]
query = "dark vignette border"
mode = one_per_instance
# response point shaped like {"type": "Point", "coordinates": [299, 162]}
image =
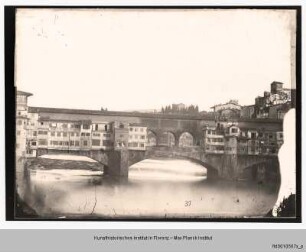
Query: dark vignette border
{"type": "Point", "coordinates": [10, 107]}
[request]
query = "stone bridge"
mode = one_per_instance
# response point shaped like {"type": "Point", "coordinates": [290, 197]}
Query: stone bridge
{"type": "Point", "coordinates": [157, 124]}
{"type": "Point", "coordinates": [117, 162]}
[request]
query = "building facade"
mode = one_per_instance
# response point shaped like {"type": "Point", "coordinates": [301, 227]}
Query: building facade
{"type": "Point", "coordinates": [138, 137]}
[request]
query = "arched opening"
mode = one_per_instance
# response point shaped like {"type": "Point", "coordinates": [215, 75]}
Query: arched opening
{"type": "Point", "coordinates": [164, 169]}
{"type": "Point", "coordinates": [186, 140]}
{"type": "Point", "coordinates": [167, 139]}
{"type": "Point", "coordinates": [152, 139]}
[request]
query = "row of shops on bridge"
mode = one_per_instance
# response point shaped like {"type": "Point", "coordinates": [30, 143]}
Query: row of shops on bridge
{"type": "Point", "coordinates": [35, 131]}
{"type": "Point", "coordinates": [228, 138]}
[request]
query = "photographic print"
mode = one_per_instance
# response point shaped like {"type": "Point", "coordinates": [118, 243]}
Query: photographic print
{"type": "Point", "coordinates": [155, 114]}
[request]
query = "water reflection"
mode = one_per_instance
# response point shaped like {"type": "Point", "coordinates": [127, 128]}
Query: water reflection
{"type": "Point", "coordinates": [155, 188]}
{"type": "Point", "coordinates": [169, 170]}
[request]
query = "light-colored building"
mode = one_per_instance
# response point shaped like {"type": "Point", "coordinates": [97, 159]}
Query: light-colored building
{"type": "Point", "coordinates": [138, 137]}
{"type": "Point", "coordinates": [102, 135]}
{"type": "Point", "coordinates": [213, 140]}
{"type": "Point", "coordinates": [227, 110]}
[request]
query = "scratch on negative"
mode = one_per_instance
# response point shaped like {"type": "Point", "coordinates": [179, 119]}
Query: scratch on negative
{"type": "Point", "coordinates": [93, 209]}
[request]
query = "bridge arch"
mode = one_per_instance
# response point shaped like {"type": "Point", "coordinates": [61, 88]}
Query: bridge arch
{"type": "Point", "coordinates": [167, 138]}
{"type": "Point", "coordinates": [137, 156]}
{"type": "Point", "coordinates": [151, 138]}
{"type": "Point", "coordinates": [186, 139]}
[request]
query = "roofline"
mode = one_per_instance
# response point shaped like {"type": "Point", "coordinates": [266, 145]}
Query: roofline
{"type": "Point", "coordinates": [144, 115]}
{"type": "Point", "coordinates": [226, 104]}
{"type": "Point", "coordinates": [118, 113]}
{"type": "Point", "coordinates": [23, 93]}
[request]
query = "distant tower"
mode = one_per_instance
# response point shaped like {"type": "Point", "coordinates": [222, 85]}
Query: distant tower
{"type": "Point", "coordinates": [276, 87]}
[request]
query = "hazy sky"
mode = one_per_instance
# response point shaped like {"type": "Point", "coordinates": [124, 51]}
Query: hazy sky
{"type": "Point", "coordinates": [144, 59]}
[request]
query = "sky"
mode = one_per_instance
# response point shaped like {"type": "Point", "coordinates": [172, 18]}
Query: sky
{"type": "Point", "coordinates": [136, 59]}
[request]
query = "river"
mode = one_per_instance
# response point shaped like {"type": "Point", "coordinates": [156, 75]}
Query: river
{"type": "Point", "coordinates": [154, 189]}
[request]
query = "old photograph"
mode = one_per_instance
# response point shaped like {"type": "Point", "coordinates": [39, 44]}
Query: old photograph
{"type": "Point", "coordinates": [155, 114]}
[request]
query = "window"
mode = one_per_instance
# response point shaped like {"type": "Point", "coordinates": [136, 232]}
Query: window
{"type": "Point", "coordinates": [142, 137]}
{"type": "Point", "coordinates": [77, 134]}
{"type": "Point", "coordinates": [95, 142]}
{"type": "Point", "coordinates": [58, 134]}
{"type": "Point", "coordinates": [66, 143]}
{"type": "Point", "coordinates": [42, 132]}
{"type": "Point", "coordinates": [77, 143]}
{"type": "Point", "coordinates": [96, 134]}
{"type": "Point", "coordinates": [85, 143]}
{"type": "Point", "coordinates": [133, 144]}
{"type": "Point", "coordinates": [64, 126]}
{"type": "Point", "coordinates": [72, 134]}
{"type": "Point", "coordinates": [96, 127]}
{"type": "Point", "coordinates": [33, 143]}
{"type": "Point", "coordinates": [41, 123]}
{"type": "Point", "coordinates": [52, 133]}
{"type": "Point", "coordinates": [64, 134]}
{"type": "Point", "coordinates": [82, 134]}
{"type": "Point", "coordinates": [142, 145]}
{"type": "Point", "coordinates": [71, 143]}
{"type": "Point", "coordinates": [131, 129]}
{"type": "Point", "coordinates": [107, 143]}
{"type": "Point", "coordinates": [42, 142]}
{"type": "Point", "coordinates": [86, 126]}
{"type": "Point", "coordinates": [141, 129]}
{"type": "Point", "coordinates": [34, 133]}
{"type": "Point", "coordinates": [234, 130]}
{"type": "Point", "coordinates": [136, 129]}
{"type": "Point", "coordinates": [87, 134]}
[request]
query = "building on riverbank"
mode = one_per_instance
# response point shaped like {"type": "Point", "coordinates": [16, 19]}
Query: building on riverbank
{"type": "Point", "coordinates": [138, 137]}
{"type": "Point", "coordinates": [22, 121]}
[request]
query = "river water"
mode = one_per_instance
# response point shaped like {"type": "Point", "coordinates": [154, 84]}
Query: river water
{"type": "Point", "coordinates": [154, 189]}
